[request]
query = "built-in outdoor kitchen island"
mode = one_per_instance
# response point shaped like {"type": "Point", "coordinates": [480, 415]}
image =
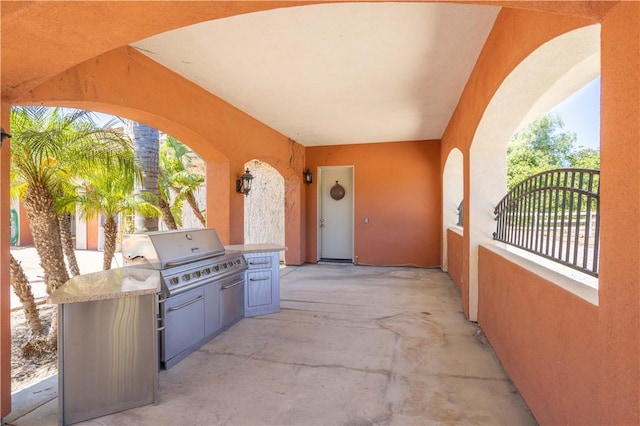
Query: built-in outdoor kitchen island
{"type": "Point", "coordinates": [107, 343]}
{"type": "Point", "coordinates": [178, 290]}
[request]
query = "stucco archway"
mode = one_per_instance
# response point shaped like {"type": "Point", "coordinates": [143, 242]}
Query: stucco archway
{"type": "Point", "coordinates": [452, 194]}
{"type": "Point", "coordinates": [264, 206]}
{"type": "Point", "coordinates": [548, 75]}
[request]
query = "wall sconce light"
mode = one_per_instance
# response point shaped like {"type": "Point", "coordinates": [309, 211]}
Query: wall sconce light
{"type": "Point", "coordinates": [3, 135]}
{"type": "Point", "coordinates": [243, 183]}
{"type": "Point", "coordinates": [308, 177]}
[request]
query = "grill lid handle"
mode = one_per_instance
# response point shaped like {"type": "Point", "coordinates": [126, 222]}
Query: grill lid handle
{"type": "Point", "coordinates": [190, 260]}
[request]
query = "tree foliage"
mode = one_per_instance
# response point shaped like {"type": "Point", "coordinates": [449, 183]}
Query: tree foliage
{"type": "Point", "coordinates": [108, 192]}
{"type": "Point", "coordinates": [49, 148]}
{"type": "Point", "coordinates": [544, 145]}
{"type": "Point", "coordinates": [178, 178]}
{"type": "Point", "coordinates": [61, 160]}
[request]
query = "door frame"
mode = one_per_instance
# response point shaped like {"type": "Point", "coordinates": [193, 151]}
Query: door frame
{"type": "Point", "coordinates": [319, 210]}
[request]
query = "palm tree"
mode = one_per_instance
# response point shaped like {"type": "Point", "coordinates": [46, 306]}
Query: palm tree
{"type": "Point", "coordinates": [22, 289]}
{"type": "Point", "coordinates": [172, 215]}
{"type": "Point", "coordinates": [66, 238]}
{"type": "Point", "coordinates": [177, 175]}
{"type": "Point", "coordinates": [108, 192]}
{"type": "Point", "coordinates": [146, 142]}
{"type": "Point", "coordinates": [48, 146]}
{"type": "Point", "coordinates": [165, 208]}
{"type": "Point", "coordinates": [37, 343]}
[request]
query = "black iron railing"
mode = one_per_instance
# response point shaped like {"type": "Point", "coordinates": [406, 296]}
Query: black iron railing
{"type": "Point", "coordinates": [555, 214]}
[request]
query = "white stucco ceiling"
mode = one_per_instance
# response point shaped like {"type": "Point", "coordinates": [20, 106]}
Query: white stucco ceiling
{"type": "Point", "coordinates": [335, 73]}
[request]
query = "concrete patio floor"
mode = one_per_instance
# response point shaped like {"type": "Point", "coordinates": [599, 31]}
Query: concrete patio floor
{"type": "Point", "coordinates": [351, 345]}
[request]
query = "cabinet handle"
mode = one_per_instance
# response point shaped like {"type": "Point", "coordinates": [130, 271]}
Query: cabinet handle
{"type": "Point", "coordinates": [260, 263]}
{"type": "Point", "coordinates": [232, 285]}
{"type": "Point", "coordinates": [175, 308]}
{"type": "Point", "coordinates": [258, 279]}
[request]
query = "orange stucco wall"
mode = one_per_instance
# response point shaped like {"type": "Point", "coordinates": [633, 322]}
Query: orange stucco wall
{"type": "Point", "coordinates": [604, 345]}
{"type": "Point", "coordinates": [619, 313]}
{"type": "Point", "coordinates": [515, 34]}
{"type": "Point", "coordinates": [92, 233]}
{"type": "Point", "coordinates": [118, 82]}
{"type": "Point", "coordinates": [5, 296]}
{"type": "Point", "coordinates": [397, 185]}
{"type": "Point", "coordinates": [25, 237]}
{"type": "Point", "coordinates": [549, 360]}
{"type": "Point", "coordinates": [546, 338]}
{"type": "Point", "coordinates": [454, 257]}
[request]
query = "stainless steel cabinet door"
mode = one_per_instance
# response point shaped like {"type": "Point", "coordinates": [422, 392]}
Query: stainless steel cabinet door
{"type": "Point", "coordinates": [184, 323]}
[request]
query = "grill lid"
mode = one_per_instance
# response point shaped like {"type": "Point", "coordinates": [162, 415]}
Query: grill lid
{"type": "Point", "coordinates": [164, 249]}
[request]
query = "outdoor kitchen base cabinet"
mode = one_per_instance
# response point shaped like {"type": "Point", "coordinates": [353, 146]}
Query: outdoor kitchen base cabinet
{"type": "Point", "coordinates": [195, 316]}
{"type": "Point", "coordinates": [183, 325]}
{"type": "Point", "coordinates": [106, 351]}
{"type": "Point", "coordinates": [262, 284]}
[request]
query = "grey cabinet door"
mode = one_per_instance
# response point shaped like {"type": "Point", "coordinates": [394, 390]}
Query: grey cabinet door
{"type": "Point", "coordinates": [259, 289]}
{"type": "Point", "coordinates": [262, 284]}
{"type": "Point", "coordinates": [211, 309]}
{"type": "Point", "coordinates": [231, 300]}
{"type": "Point", "coordinates": [184, 324]}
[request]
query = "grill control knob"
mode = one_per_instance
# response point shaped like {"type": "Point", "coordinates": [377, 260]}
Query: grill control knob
{"type": "Point", "coordinates": [197, 274]}
{"type": "Point", "coordinates": [186, 277]}
{"type": "Point", "coordinates": [174, 280]}
{"type": "Point", "coordinates": [207, 271]}
{"type": "Point", "coordinates": [217, 268]}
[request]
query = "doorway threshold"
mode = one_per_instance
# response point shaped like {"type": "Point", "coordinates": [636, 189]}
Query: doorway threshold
{"type": "Point", "coordinates": [325, 261]}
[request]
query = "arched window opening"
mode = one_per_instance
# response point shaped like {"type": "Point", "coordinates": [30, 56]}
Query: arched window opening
{"type": "Point", "coordinates": [452, 193]}
{"type": "Point", "coordinates": [543, 160]}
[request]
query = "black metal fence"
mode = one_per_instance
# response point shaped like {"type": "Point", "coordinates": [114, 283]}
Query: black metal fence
{"type": "Point", "coordinates": [555, 214]}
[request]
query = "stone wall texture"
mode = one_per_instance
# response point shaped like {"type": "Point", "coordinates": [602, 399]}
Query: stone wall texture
{"type": "Point", "coordinates": [264, 206]}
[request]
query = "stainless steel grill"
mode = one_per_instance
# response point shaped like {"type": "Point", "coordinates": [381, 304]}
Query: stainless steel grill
{"type": "Point", "coordinates": [202, 286]}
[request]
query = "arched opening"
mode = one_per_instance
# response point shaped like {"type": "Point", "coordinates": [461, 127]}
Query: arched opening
{"type": "Point", "coordinates": [452, 194]}
{"type": "Point", "coordinates": [551, 73]}
{"type": "Point", "coordinates": [547, 160]}
{"type": "Point", "coordinates": [264, 206]}
{"type": "Point", "coordinates": [90, 236]}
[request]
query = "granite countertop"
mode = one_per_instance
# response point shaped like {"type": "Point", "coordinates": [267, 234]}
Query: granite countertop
{"type": "Point", "coordinates": [112, 284]}
{"type": "Point", "coordinates": [256, 248]}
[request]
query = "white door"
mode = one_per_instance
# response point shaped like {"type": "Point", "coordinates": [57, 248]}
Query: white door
{"type": "Point", "coordinates": [335, 235]}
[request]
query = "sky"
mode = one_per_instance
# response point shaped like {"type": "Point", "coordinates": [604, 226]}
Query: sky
{"type": "Point", "coordinates": [581, 115]}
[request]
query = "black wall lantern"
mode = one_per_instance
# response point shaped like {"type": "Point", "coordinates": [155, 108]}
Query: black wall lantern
{"type": "Point", "coordinates": [243, 183]}
{"type": "Point", "coordinates": [308, 177]}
